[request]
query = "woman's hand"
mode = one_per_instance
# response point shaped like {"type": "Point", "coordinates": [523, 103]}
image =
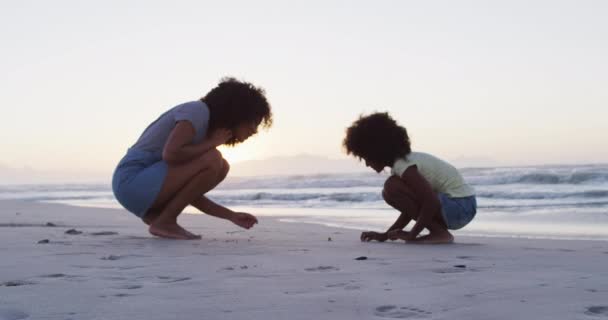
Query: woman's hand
{"type": "Point", "coordinates": [220, 136]}
{"type": "Point", "coordinates": [371, 235]}
{"type": "Point", "coordinates": [244, 220]}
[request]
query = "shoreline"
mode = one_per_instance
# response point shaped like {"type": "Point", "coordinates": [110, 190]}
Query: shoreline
{"type": "Point", "coordinates": [114, 270]}
{"type": "Point", "coordinates": [305, 215]}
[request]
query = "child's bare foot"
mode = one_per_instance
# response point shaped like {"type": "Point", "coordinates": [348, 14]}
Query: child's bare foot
{"type": "Point", "coordinates": [171, 231]}
{"type": "Point", "coordinates": [443, 237]}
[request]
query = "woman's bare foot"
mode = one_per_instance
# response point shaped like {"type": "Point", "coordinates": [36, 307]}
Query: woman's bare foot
{"type": "Point", "coordinates": [442, 237]}
{"type": "Point", "coordinates": [149, 221]}
{"type": "Point", "coordinates": [191, 235]}
{"type": "Point", "coordinates": [171, 231]}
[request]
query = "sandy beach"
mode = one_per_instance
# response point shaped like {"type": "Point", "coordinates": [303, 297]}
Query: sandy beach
{"type": "Point", "coordinates": [110, 268]}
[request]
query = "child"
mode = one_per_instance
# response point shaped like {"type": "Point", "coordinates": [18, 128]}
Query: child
{"type": "Point", "coordinates": [422, 187]}
{"type": "Point", "coordinates": [175, 161]}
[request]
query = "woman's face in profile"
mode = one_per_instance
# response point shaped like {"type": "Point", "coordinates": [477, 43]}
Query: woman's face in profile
{"type": "Point", "coordinates": [243, 131]}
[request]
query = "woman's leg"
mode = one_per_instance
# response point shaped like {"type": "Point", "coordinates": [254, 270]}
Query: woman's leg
{"type": "Point", "coordinates": [182, 185]}
{"type": "Point", "coordinates": [155, 211]}
{"type": "Point", "coordinates": [401, 197]}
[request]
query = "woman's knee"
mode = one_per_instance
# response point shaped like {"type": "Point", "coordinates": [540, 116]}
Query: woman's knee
{"type": "Point", "coordinates": [211, 160]}
{"type": "Point", "coordinates": [224, 170]}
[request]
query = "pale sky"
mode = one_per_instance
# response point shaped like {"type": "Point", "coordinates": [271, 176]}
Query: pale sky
{"type": "Point", "coordinates": [517, 82]}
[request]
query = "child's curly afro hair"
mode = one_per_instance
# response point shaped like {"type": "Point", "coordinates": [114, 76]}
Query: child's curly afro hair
{"type": "Point", "coordinates": [377, 138]}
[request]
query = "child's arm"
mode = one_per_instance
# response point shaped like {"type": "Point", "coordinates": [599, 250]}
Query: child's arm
{"type": "Point", "coordinates": [179, 148]}
{"type": "Point", "coordinates": [390, 234]}
{"type": "Point", "coordinates": [429, 203]}
{"type": "Point", "coordinates": [400, 223]}
{"type": "Point", "coordinates": [397, 234]}
{"type": "Point", "coordinates": [372, 235]}
{"type": "Point", "coordinates": [211, 208]}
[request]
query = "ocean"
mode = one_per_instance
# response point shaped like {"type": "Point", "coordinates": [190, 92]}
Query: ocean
{"type": "Point", "coordinates": [560, 202]}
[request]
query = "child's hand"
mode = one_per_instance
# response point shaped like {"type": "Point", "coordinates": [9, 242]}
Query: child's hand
{"type": "Point", "coordinates": [244, 220]}
{"type": "Point", "coordinates": [220, 136]}
{"type": "Point", "coordinates": [371, 235]}
{"type": "Point", "coordinates": [398, 234]}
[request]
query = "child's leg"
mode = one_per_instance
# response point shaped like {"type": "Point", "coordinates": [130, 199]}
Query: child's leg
{"type": "Point", "coordinates": [182, 185]}
{"type": "Point", "coordinates": [399, 195]}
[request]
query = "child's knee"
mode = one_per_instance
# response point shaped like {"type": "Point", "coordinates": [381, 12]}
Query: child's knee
{"type": "Point", "coordinates": [391, 187]}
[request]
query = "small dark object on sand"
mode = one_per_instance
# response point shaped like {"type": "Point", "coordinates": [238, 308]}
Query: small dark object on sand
{"type": "Point", "coordinates": [50, 224]}
{"type": "Point", "coordinates": [104, 233]}
{"type": "Point", "coordinates": [44, 241]}
{"type": "Point", "coordinates": [460, 266]}
{"type": "Point", "coordinates": [328, 238]}
{"type": "Point", "coordinates": [361, 258]}
{"type": "Point", "coordinates": [73, 231]}
{"type": "Point", "coordinates": [111, 257]}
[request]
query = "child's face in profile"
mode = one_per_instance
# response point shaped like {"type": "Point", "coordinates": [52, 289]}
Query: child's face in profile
{"type": "Point", "coordinates": [377, 167]}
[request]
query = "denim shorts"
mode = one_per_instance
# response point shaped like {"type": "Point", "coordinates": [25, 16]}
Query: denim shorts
{"type": "Point", "coordinates": [457, 212]}
{"type": "Point", "coordinates": [138, 179]}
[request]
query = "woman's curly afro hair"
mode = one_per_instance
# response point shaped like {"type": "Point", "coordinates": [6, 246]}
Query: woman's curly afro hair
{"type": "Point", "coordinates": [377, 138]}
{"type": "Point", "coordinates": [233, 102]}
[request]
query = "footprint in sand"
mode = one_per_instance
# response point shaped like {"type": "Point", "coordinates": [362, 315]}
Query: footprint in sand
{"type": "Point", "coordinates": [322, 268]}
{"type": "Point", "coordinates": [12, 314]}
{"type": "Point", "coordinates": [55, 275]}
{"type": "Point", "coordinates": [597, 311]}
{"type": "Point", "coordinates": [74, 253]}
{"type": "Point", "coordinates": [20, 225]}
{"type": "Point", "coordinates": [16, 283]}
{"type": "Point", "coordinates": [129, 287]}
{"type": "Point", "coordinates": [467, 257]}
{"type": "Point", "coordinates": [115, 278]}
{"type": "Point", "coordinates": [534, 249]}
{"type": "Point", "coordinates": [345, 285]}
{"type": "Point", "coordinates": [391, 311]}
{"type": "Point", "coordinates": [166, 279]}
{"type": "Point", "coordinates": [450, 270]}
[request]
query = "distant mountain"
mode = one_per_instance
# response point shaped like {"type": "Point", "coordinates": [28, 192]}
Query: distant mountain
{"type": "Point", "coordinates": [299, 164]}
{"type": "Point", "coordinates": [285, 165]}
{"type": "Point", "coordinates": [27, 175]}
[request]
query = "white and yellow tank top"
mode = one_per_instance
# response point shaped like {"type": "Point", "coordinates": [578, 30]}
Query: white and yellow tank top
{"type": "Point", "coordinates": [442, 176]}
